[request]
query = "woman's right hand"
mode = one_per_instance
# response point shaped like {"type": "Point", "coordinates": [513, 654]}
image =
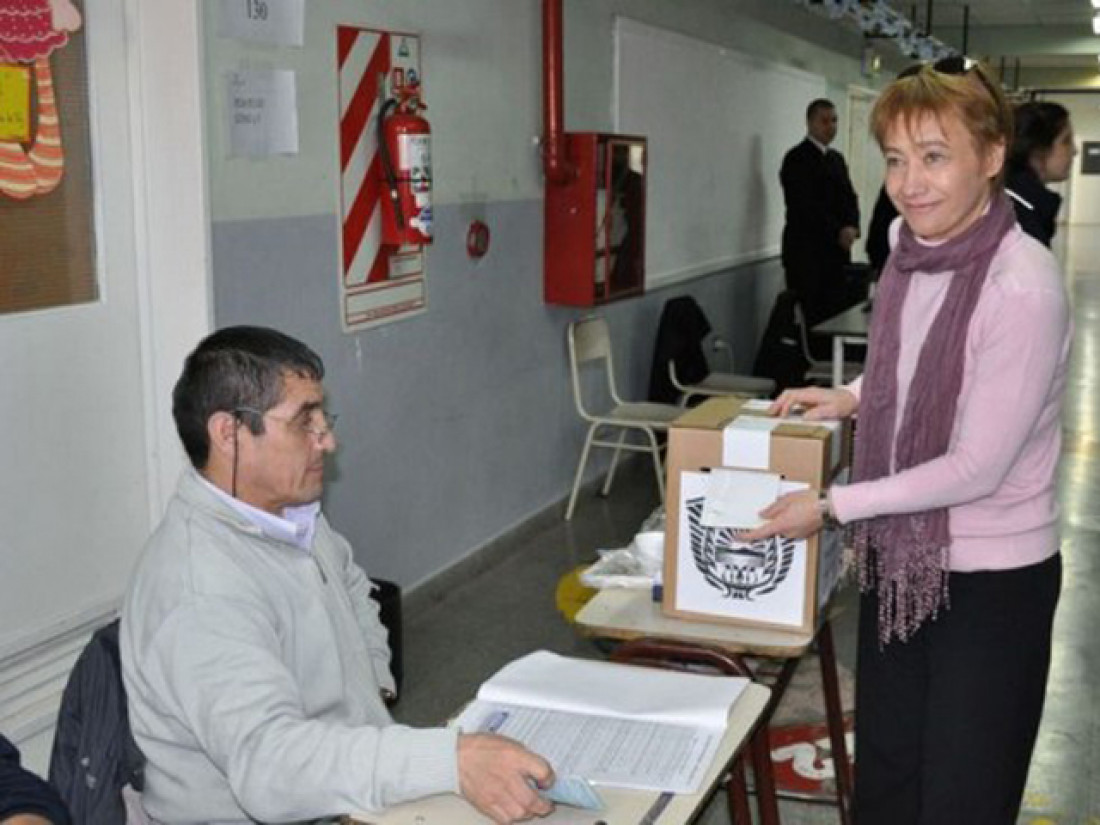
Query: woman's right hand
{"type": "Point", "coordinates": [816, 403]}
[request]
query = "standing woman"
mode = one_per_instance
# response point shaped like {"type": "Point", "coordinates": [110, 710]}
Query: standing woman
{"type": "Point", "coordinates": [1042, 152]}
{"type": "Point", "coordinates": [952, 505]}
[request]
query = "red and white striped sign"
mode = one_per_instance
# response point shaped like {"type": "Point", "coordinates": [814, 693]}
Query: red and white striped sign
{"type": "Point", "coordinates": [379, 283]}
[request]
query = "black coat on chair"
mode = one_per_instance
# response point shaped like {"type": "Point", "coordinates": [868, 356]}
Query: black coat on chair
{"type": "Point", "coordinates": [780, 355]}
{"type": "Point", "coordinates": [680, 335]}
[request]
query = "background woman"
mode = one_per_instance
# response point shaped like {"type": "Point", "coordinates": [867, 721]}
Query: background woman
{"type": "Point", "coordinates": [952, 505]}
{"type": "Point", "coordinates": [1042, 152]}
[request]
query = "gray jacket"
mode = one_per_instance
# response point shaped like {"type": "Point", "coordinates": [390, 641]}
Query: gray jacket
{"type": "Point", "coordinates": [253, 670]}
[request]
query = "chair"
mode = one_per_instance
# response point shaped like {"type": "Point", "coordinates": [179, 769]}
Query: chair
{"type": "Point", "coordinates": [680, 369]}
{"type": "Point", "coordinates": [820, 372]}
{"type": "Point", "coordinates": [95, 763]}
{"type": "Point", "coordinates": [590, 345]}
{"type": "Point", "coordinates": [721, 383]}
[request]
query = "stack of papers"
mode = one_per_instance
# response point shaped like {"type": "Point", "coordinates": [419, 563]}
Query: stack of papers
{"type": "Point", "coordinates": [611, 724]}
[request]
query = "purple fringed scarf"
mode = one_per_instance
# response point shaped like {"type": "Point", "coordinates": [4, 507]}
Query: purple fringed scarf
{"type": "Point", "coordinates": [906, 556]}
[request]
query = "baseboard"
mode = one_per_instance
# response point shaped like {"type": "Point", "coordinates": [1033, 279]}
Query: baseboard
{"type": "Point", "coordinates": [440, 585]}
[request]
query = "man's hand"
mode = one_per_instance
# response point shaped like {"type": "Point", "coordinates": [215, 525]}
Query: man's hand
{"type": "Point", "coordinates": [794, 515]}
{"type": "Point", "coordinates": [847, 237]}
{"type": "Point", "coordinates": [494, 774]}
{"type": "Point", "coordinates": [817, 403]}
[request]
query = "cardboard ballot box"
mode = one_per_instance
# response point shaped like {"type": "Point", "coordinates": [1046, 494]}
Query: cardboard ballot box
{"type": "Point", "coordinates": [708, 574]}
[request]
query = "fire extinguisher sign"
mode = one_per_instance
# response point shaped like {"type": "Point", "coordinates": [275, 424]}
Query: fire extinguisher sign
{"type": "Point", "coordinates": [385, 188]}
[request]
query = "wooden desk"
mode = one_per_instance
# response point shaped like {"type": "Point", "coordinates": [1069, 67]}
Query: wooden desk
{"type": "Point", "coordinates": [624, 807]}
{"type": "Point", "coordinates": [631, 615]}
{"type": "Point", "coordinates": [849, 327]}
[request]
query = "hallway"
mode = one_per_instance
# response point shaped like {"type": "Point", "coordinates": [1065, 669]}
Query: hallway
{"type": "Point", "coordinates": [472, 619]}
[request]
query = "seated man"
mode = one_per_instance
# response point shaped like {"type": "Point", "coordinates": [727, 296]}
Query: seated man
{"type": "Point", "coordinates": [252, 654]}
{"type": "Point", "coordinates": [24, 798]}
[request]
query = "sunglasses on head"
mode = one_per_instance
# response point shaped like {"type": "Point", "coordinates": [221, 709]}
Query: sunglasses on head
{"type": "Point", "coordinates": [957, 65]}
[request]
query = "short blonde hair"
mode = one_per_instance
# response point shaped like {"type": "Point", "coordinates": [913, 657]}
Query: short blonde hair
{"type": "Point", "coordinates": [972, 95]}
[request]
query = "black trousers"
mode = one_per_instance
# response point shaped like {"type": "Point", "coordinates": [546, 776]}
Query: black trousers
{"type": "Point", "coordinates": [946, 722]}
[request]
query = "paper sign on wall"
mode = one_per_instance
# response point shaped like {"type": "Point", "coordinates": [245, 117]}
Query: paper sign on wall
{"type": "Point", "coordinates": [262, 112]}
{"type": "Point", "coordinates": [279, 22]}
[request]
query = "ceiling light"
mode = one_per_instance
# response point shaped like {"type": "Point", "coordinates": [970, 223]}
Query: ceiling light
{"type": "Point", "coordinates": [1096, 25]}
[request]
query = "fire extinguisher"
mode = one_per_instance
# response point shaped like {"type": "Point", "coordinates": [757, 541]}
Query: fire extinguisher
{"type": "Point", "coordinates": [405, 141]}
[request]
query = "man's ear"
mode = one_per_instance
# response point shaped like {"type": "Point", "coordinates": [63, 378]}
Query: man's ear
{"type": "Point", "coordinates": [221, 428]}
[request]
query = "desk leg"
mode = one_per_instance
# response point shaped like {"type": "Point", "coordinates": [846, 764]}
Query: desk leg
{"type": "Point", "coordinates": [737, 794]}
{"type": "Point", "coordinates": [834, 714]}
{"type": "Point", "coordinates": [838, 360]}
{"type": "Point", "coordinates": [767, 803]}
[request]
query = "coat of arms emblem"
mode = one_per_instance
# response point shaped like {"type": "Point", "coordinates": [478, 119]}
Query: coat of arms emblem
{"type": "Point", "coordinates": [737, 570]}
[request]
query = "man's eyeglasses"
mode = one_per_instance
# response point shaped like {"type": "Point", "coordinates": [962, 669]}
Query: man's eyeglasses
{"type": "Point", "coordinates": [308, 426]}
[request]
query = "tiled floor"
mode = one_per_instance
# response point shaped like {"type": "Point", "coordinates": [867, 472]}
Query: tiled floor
{"type": "Point", "coordinates": [480, 623]}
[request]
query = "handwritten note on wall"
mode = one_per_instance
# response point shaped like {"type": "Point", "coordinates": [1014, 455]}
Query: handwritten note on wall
{"type": "Point", "coordinates": [262, 112]}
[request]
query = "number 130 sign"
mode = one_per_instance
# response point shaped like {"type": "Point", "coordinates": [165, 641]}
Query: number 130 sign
{"type": "Point", "coordinates": [255, 9]}
{"type": "Point", "coordinates": [279, 22]}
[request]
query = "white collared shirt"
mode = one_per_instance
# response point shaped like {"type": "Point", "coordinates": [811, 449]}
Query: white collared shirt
{"type": "Point", "coordinates": [296, 526]}
{"type": "Point", "coordinates": [824, 149]}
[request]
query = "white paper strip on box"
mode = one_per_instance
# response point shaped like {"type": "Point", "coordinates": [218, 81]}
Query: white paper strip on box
{"type": "Point", "coordinates": [747, 442]}
{"type": "Point", "coordinates": [745, 446]}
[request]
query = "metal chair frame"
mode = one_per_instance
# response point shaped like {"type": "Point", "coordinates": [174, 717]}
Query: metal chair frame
{"type": "Point", "coordinates": [820, 371]}
{"type": "Point", "coordinates": [590, 343]}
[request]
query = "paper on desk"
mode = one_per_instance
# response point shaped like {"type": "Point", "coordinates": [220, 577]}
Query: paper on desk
{"type": "Point", "coordinates": [736, 497]}
{"type": "Point", "coordinates": [626, 753]}
{"type": "Point", "coordinates": [546, 680]}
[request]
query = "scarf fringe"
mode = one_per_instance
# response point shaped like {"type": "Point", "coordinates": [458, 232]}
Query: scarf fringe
{"type": "Point", "coordinates": [908, 595]}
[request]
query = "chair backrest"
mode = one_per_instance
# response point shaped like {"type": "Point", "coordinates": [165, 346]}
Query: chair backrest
{"type": "Point", "coordinates": [590, 342]}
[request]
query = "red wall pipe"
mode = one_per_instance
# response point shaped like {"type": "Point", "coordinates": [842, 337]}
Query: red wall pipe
{"type": "Point", "coordinates": [556, 166]}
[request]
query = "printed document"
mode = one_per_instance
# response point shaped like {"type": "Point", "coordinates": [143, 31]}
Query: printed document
{"type": "Point", "coordinates": [612, 724]}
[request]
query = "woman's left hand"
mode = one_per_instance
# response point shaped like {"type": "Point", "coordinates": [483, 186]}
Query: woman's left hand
{"type": "Point", "coordinates": [794, 515]}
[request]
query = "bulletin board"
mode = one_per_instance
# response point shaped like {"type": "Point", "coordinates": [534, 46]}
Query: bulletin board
{"type": "Point", "coordinates": [718, 124]}
{"type": "Point", "coordinates": [47, 209]}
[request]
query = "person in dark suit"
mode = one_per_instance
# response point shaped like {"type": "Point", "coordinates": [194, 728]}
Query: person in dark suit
{"type": "Point", "coordinates": [822, 217]}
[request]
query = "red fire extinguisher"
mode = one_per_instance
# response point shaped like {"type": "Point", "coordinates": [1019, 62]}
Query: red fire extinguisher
{"type": "Point", "coordinates": [405, 140]}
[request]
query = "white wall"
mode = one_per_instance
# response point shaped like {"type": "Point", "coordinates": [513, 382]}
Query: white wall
{"type": "Point", "coordinates": [470, 53]}
{"type": "Point", "coordinates": [90, 451]}
{"type": "Point", "coordinates": [1083, 190]}
{"type": "Point", "coordinates": [462, 387]}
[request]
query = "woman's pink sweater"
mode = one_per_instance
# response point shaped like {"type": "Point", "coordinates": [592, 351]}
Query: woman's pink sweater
{"type": "Point", "coordinates": [999, 475]}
